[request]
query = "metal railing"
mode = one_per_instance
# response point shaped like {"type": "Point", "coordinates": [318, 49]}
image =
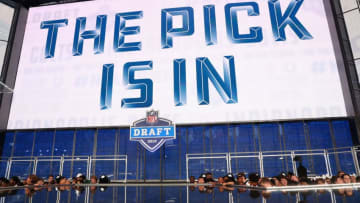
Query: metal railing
{"type": "Point", "coordinates": [89, 161]}
{"type": "Point", "coordinates": [330, 158]}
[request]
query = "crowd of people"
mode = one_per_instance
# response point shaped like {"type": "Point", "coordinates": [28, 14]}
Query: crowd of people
{"type": "Point", "coordinates": [34, 183]}
{"type": "Point", "coordinates": [256, 186]}
{"type": "Point", "coordinates": [283, 179]}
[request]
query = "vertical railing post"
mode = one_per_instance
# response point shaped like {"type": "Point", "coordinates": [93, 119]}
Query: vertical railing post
{"type": "Point", "coordinates": [355, 160]}
{"type": "Point", "coordinates": [187, 168]}
{"type": "Point", "coordinates": [261, 161]}
{"type": "Point", "coordinates": [126, 169]}
{"type": "Point", "coordinates": [8, 168]}
{"type": "Point", "coordinates": [88, 171]}
{"type": "Point", "coordinates": [35, 165]}
{"type": "Point", "coordinates": [293, 163]}
{"type": "Point", "coordinates": [228, 162]}
{"type": "Point", "coordinates": [327, 162]}
{"type": "Point", "coordinates": [61, 165]}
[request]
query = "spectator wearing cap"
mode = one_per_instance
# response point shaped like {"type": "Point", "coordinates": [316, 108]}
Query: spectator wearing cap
{"type": "Point", "coordinates": [283, 179]}
{"type": "Point", "coordinates": [104, 179]}
{"type": "Point", "coordinates": [241, 179]}
{"type": "Point", "coordinates": [229, 179]}
{"type": "Point", "coordinates": [80, 178]}
{"type": "Point", "coordinates": [254, 179]}
{"type": "Point", "coordinates": [201, 179]}
{"type": "Point", "coordinates": [58, 179]}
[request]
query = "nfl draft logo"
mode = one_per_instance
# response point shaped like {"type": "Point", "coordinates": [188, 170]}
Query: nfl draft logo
{"type": "Point", "coordinates": [152, 132]}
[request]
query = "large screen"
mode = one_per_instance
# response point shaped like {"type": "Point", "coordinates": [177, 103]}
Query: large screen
{"type": "Point", "coordinates": [106, 63]}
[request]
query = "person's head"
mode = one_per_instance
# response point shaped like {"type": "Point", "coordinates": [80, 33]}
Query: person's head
{"type": "Point", "coordinates": [293, 178]}
{"type": "Point", "coordinates": [265, 182]}
{"type": "Point", "coordinates": [304, 181]}
{"type": "Point", "coordinates": [289, 174]}
{"type": "Point", "coordinates": [93, 179]}
{"type": "Point", "coordinates": [104, 179]}
{"type": "Point", "coordinates": [80, 178]}
{"type": "Point", "coordinates": [209, 175]}
{"type": "Point", "coordinates": [221, 180]}
{"type": "Point", "coordinates": [353, 178]}
{"type": "Point", "coordinates": [346, 178]}
{"type": "Point", "coordinates": [327, 180]}
{"type": "Point", "coordinates": [4, 182]}
{"type": "Point", "coordinates": [31, 179]}
{"type": "Point", "coordinates": [229, 178]}
{"type": "Point", "coordinates": [203, 176]}
{"type": "Point", "coordinates": [14, 181]}
{"type": "Point", "coordinates": [201, 180]}
{"type": "Point", "coordinates": [283, 181]}
{"type": "Point", "coordinates": [283, 175]}
{"type": "Point", "coordinates": [192, 179]}
{"type": "Point", "coordinates": [275, 181]}
{"type": "Point", "coordinates": [40, 182]}
{"type": "Point", "coordinates": [320, 181]}
{"type": "Point", "coordinates": [340, 173]}
{"type": "Point", "coordinates": [51, 179]}
{"type": "Point", "coordinates": [339, 180]}
{"type": "Point", "coordinates": [253, 179]}
{"type": "Point", "coordinates": [58, 178]}
{"type": "Point", "coordinates": [63, 181]}
{"type": "Point", "coordinates": [241, 178]}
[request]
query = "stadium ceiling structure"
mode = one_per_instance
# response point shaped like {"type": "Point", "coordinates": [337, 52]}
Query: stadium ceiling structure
{"type": "Point", "coordinates": [32, 3]}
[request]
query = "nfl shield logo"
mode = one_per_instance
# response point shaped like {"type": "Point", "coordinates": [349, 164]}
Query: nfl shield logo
{"type": "Point", "coordinates": [152, 131]}
{"type": "Point", "coordinates": [151, 116]}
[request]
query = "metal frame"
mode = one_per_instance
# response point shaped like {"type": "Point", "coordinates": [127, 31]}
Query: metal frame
{"type": "Point", "coordinates": [109, 158]}
{"type": "Point", "coordinates": [207, 156]}
{"type": "Point", "coordinates": [62, 160]}
{"type": "Point", "coordinates": [229, 156]}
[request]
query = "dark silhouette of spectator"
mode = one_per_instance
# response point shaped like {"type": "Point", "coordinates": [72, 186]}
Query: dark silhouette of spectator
{"type": "Point", "coordinates": [302, 171]}
{"type": "Point", "coordinates": [254, 179]}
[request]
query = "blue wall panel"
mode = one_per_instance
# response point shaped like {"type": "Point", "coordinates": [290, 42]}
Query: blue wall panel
{"type": "Point", "coordinates": [43, 143]}
{"type": "Point", "coordinates": [64, 143]}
